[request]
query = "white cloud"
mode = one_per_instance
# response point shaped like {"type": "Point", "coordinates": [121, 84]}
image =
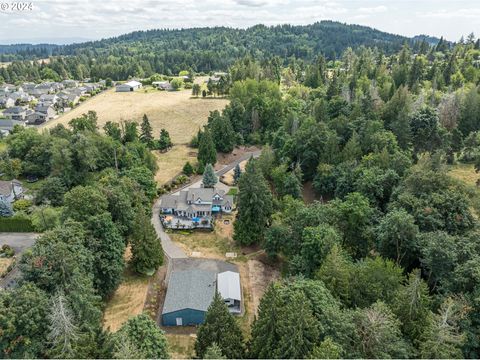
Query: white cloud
{"type": "Point", "coordinates": [103, 18]}
{"type": "Point", "coordinates": [373, 10]}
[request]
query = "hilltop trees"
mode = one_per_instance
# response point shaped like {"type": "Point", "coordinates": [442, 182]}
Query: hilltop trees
{"type": "Point", "coordinates": [253, 216]}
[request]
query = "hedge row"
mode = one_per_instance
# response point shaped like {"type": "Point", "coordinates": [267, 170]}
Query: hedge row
{"type": "Point", "coordinates": [14, 224]}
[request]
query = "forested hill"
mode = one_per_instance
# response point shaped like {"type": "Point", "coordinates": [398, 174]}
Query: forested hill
{"type": "Point", "coordinates": [144, 53]}
{"type": "Point", "coordinates": [328, 37]}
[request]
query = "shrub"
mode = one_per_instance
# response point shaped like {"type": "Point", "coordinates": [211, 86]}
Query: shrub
{"type": "Point", "coordinates": [22, 205]}
{"type": "Point", "coordinates": [16, 224]}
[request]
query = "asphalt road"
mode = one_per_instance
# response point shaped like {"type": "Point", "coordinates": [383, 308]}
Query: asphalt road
{"type": "Point", "coordinates": [19, 242]}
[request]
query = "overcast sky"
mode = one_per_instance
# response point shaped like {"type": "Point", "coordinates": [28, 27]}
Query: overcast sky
{"type": "Point", "coordinates": [67, 20]}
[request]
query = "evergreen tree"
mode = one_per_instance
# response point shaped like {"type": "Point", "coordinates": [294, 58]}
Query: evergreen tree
{"type": "Point", "coordinates": [206, 149]}
{"type": "Point", "coordinates": [214, 352]}
{"type": "Point", "coordinates": [146, 131]}
{"type": "Point", "coordinates": [164, 142]}
{"type": "Point", "coordinates": [222, 132]}
{"type": "Point", "coordinates": [187, 169]}
{"type": "Point", "coordinates": [237, 172]}
{"type": "Point", "coordinates": [209, 177]}
{"type": "Point", "coordinates": [147, 253]}
{"type": "Point", "coordinates": [146, 338]}
{"type": "Point", "coordinates": [220, 328]}
{"type": "Point", "coordinates": [254, 206]}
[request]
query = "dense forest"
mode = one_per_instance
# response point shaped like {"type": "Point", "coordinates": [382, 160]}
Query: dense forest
{"type": "Point", "coordinates": [93, 200]}
{"type": "Point", "coordinates": [144, 53]}
{"type": "Point", "coordinates": [386, 264]}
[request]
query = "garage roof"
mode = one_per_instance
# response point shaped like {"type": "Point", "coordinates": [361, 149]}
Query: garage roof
{"type": "Point", "coordinates": [190, 289]}
{"type": "Point", "coordinates": [229, 285]}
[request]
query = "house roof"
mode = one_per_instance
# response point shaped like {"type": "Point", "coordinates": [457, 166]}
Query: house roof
{"type": "Point", "coordinates": [132, 83]}
{"type": "Point", "coordinates": [14, 110]}
{"type": "Point", "coordinates": [189, 289]}
{"type": "Point", "coordinates": [6, 187]}
{"type": "Point", "coordinates": [228, 283]}
{"type": "Point", "coordinates": [7, 124]}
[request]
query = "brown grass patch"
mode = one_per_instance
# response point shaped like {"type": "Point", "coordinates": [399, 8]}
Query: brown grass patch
{"type": "Point", "coordinates": [211, 244]}
{"type": "Point", "coordinates": [227, 178]}
{"type": "Point", "coordinates": [181, 346]}
{"type": "Point", "coordinates": [171, 162]}
{"type": "Point", "coordinates": [127, 301]}
{"type": "Point", "coordinates": [465, 173]}
{"type": "Point", "coordinates": [4, 264]}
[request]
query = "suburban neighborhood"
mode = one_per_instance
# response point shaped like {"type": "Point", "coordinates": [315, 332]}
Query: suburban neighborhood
{"type": "Point", "coordinates": [34, 104]}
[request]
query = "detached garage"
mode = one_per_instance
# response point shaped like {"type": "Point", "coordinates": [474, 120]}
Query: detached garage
{"type": "Point", "coordinates": [189, 295]}
{"type": "Point", "coordinates": [129, 86]}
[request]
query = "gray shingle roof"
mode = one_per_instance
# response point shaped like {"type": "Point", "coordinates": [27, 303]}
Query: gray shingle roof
{"type": "Point", "coordinates": [189, 289]}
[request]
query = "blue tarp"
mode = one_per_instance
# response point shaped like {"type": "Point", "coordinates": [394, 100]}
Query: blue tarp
{"type": "Point", "coordinates": [196, 219]}
{"type": "Point", "coordinates": [215, 208]}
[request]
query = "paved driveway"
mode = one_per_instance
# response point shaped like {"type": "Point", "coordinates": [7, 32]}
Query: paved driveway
{"type": "Point", "coordinates": [18, 241]}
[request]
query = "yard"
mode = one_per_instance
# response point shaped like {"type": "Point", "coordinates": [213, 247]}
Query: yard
{"type": "Point", "coordinates": [127, 301]}
{"type": "Point", "coordinates": [208, 244]}
{"type": "Point", "coordinates": [177, 111]}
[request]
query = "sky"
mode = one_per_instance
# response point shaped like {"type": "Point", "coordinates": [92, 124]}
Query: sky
{"type": "Point", "coordinates": [65, 21]}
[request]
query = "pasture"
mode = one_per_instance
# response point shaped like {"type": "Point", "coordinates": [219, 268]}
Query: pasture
{"type": "Point", "coordinates": [177, 111]}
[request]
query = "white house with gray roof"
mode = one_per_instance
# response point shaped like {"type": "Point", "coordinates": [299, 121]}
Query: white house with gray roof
{"type": "Point", "coordinates": [196, 206]}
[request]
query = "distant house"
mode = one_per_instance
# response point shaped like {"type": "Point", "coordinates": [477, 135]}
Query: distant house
{"type": "Point", "coordinates": [16, 113]}
{"type": "Point", "coordinates": [43, 113]}
{"type": "Point", "coordinates": [70, 83]}
{"type": "Point", "coordinates": [6, 102]}
{"type": "Point", "coordinates": [20, 96]}
{"type": "Point", "coordinates": [7, 125]}
{"type": "Point", "coordinates": [50, 99]}
{"type": "Point", "coordinates": [7, 88]}
{"type": "Point", "coordinates": [228, 285]}
{"type": "Point", "coordinates": [129, 86]}
{"type": "Point", "coordinates": [10, 190]}
{"type": "Point", "coordinates": [189, 295]}
{"type": "Point", "coordinates": [163, 85]}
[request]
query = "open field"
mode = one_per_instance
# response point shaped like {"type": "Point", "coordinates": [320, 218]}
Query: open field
{"type": "Point", "coordinates": [177, 111]}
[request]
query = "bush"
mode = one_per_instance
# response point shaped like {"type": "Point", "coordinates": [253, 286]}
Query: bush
{"type": "Point", "coordinates": [46, 218]}
{"type": "Point", "coordinates": [188, 169]}
{"type": "Point", "coordinates": [22, 205]}
{"type": "Point", "coordinates": [16, 224]}
{"type": "Point", "coordinates": [7, 251]}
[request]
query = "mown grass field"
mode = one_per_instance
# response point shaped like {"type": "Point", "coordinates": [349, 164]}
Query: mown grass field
{"type": "Point", "coordinates": [177, 111]}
